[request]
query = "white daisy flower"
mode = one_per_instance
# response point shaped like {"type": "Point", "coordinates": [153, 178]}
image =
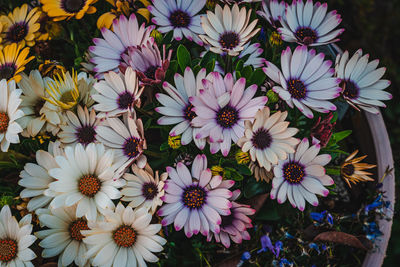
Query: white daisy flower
{"type": "Point", "coordinates": [9, 113]}
{"type": "Point", "coordinates": [177, 109]}
{"type": "Point", "coordinates": [86, 177]}
{"type": "Point", "coordinates": [306, 80]}
{"type": "Point", "coordinates": [79, 129]}
{"type": "Point", "coordinates": [361, 81]}
{"type": "Point", "coordinates": [240, 1]}
{"type": "Point", "coordinates": [301, 176]}
{"type": "Point", "coordinates": [273, 11]}
{"type": "Point", "coordinates": [268, 139]}
{"type": "Point", "coordinates": [143, 188]}
{"type": "Point", "coordinates": [254, 52]}
{"type": "Point", "coordinates": [125, 238]}
{"type": "Point", "coordinates": [309, 24]}
{"type": "Point", "coordinates": [178, 16]}
{"type": "Point", "coordinates": [117, 94]}
{"type": "Point", "coordinates": [63, 236]}
{"type": "Point", "coordinates": [15, 239]}
{"type": "Point", "coordinates": [228, 30]}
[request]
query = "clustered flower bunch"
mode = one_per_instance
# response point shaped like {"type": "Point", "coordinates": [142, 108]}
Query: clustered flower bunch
{"type": "Point", "coordinates": [181, 112]}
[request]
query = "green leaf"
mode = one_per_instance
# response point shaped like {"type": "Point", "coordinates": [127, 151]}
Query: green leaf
{"type": "Point", "coordinates": [196, 69]}
{"type": "Point", "coordinates": [243, 169]}
{"type": "Point", "coordinates": [238, 75]}
{"type": "Point", "coordinates": [209, 56]}
{"type": "Point", "coordinates": [239, 65]}
{"type": "Point", "coordinates": [332, 171]}
{"type": "Point", "coordinates": [233, 174]}
{"type": "Point", "coordinates": [268, 212]}
{"type": "Point", "coordinates": [183, 56]}
{"type": "Point", "coordinates": [341, 135]}
{"type": "Point", "coordinates": [258, 77]}
{"type": "Point", "coordinates": [253, 188]}
{"type": "Point", "coordinates": [247, 71]}
{"type": "Point", "coordinates": [164, 146]}
{"type": "Point", "coordinates": [210, 65]}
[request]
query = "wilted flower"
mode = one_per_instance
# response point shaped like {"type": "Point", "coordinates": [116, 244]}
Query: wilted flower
{"type": "Point", "coordinates": [353, 171]}
{"type": "Point", "coordinates": [323, 130]}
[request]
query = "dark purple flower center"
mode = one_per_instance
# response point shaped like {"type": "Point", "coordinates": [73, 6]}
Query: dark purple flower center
{"type": "Point", "coordinates": [180, 19]}
{"type": "Point", "coordinates": [293, 172]}
{"type": "Point", "coordinates": [350, 89]}
{"type": "Point", "coordinates": [17, 32]}
{"type": "Point", "coordinates": [261, 139]}
{"type": "Point", "coordinates": [7, 71]}
{"type": "Point", "coordinates": [348, 170]}
{"type": "Point", "coordinates": [149, 190]}
{"type": "Point", "coordinates": [131, 147]}
{"type": "Point", "coordinates": [125, 100]}
{"type": "Point", "coordinates": [189, 113]}
{"type": "Point", "coordinates": [151, 72]}
{"type": "Point", "coordinates": [306, 35]}
{"type": "Point", "coordinates": [227, 117]}
{"type": "Point", "coordinates": [194, 197]}
{"type": "Point", "coordinates": [86, 135]}
{"type": "Point", "coordinates": [229, 40]}
{"type": "Point", "coordinates": [72, 6]}
{"type": "Point", "coordinates": [296, 88]}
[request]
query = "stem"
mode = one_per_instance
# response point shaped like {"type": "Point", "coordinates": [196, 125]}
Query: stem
{"type": "Point", "coordinates": [153, 154]}
{"type": "Point", "coordinates": [228, 64]}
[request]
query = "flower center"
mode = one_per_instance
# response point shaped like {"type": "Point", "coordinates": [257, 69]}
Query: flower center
{"type": "Point", "coordinates": [189, 113]}
{"type": "Point", "coordinates": [125, 100]}
{"type": "Point", "coordinates": [151, 72]}
{"type": "Point", "coordinates": [297, 89]}
{"type": "Point", "coordinates": [75, 229]}
{"type": "Point", "coordinates": [3, 122]}
{"type": "Point", "coordinates": [194, 197]}
{"type": "Point", "coordinates": [38, 106]}
{"type": "Point", "coordinates": [131, 147]}
{"type": "Point", "coordinates": [149, 190]}
{"type": "Point", "coordinates": [72, 6]}
{"type": "Point", "coordinates": [124, 236]}
{"type": "Point", "coordinates": [348, 169]}
{"type": "Point", "coordinates": [67, 97]}
{"type": "Point", "coordinates": [8, 250]}
{"type": "Point", "coordinates": [7, 71]}
{"type": "Point", "coordinates": [180, 19]}
{"type": "Point", "coordinates": [293, 172]}
{"type": "Point", "coordinates": [229, 40]}
{"type": "Point", "coordinates": [350, 89]}
{"type": "Point", "coordinates": [227, 117]}
{"type": "Point", "coordinates": [89, 185]}
{"type": "Point", "coordinates": [17, 32]}
{"type": "Point", "coordinates": [86, 135]}
{"type": "Point", "coordinates": [261, 139]}
{"type": "Point", "coordinates": [306, 35]}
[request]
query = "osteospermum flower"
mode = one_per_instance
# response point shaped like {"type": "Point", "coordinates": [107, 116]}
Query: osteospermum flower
{"type": "Point", "coordinates": [222, 108]}
{"type": "Point", "coordinates": [353, 170]}
{"type": "Point", "coordinates": [273, 11]}
{"type": "Point", "coordinates": [176, 107]}
{"type": "Point", "coordinates": [15, 239]}
{"type": "Point", "coordinates": [194, 200]}
{"type": "Point", "coordinates": [252, 53]}
{"type": "Point", "coordinates": [268, 139]}
{"type": "Point", "coordinates": [361, 81]}
{"type": "Point", "coordinates": [86, 177]}
{"type": "Point", "coordinates": [108, 51]}
{"type": "Point", "coordinates": [301, 176]}
{"type": "Point", "coordinates": [80, 127]}
{"type": "Point", "coordinates": [12, 61]}
{"type": "Point", "coordinates": [125, 238]}
{"type": "Point", "coordinates": [306, 80]}
{"type": "Point", "coordinates": [20, 26]}
{"type": "Point", "coordinates": [63, 238]}
{"type": "Point", "coordinates": [9, 113]}
{"type": "Point", "coordinates": [309, 24]}
{"type": "Point", "coordinates": [66, 9]}
{"type": "Point", "coordinates": [178, 16]}
{"type": "Point", "coordinates": [144, 188]}
{"type": "Point", "coordinates": [228, 30]}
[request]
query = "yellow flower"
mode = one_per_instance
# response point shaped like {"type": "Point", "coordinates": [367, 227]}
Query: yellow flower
{"type": "Point", "coordinates": [242, 157]}
{"type": "Point", "coordinates": [174, 142]}
{"type": "Point", "coordinates": [66, 9]}
{"type": "Point", "coordinates": [13, 61]}
{"type": "Point", "coordinates": [41, 138]}
{"type": "Point", "coordinates": [210, 4]}
{"type": "Point", "coordinates": [275, 39]}
{"type": "Point", "coordinates": [51, 68]}
{"type": "Point", "coordinates": [217, 170]}
{"type": "Point", "coordinates": [352, 171]}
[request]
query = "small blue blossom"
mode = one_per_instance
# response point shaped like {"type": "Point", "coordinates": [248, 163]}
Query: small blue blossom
{"type": "Point", "coordinates": [277, 249]}
{"type": "Point", "coordinates": [284, 262]}
{"type": "Point", "coordinates": [329, 218]}
{"type": "Point", "coordinates": [315, 247]}
{"type": "Point", "coordinates": [266, 244]}
{"type": "Point", "coordinates": [288, 236]}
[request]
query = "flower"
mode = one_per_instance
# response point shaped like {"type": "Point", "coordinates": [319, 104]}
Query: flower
{"type": "Point", "coordinates": [143, 188]}
{"type": "Point", "coordinates": [353, 171]}
{"type": "Point", "coordinates": [9, 113]}
{"type": "Point", "coordinates": [178, 16]}
{"type": "Point", "coordinates": [268, 139]}
{"type": "Point", "coordinates": [260, 173]}
{"type": "Point", "coordinates": [305, 80]}
{"type": "Point", "coordinates": [273, 11]}
{"type": "Point", "coordinates": [322, 130]}
{"type": "Point", "coordinates": [147, 62]}
{"type": "Point", "coordinates": [254, 51]}
{"type": "Point", "coordinates": [309, 24]}
{"type": "Point", "coordinates": [21, 27]}
{"type": "Point", "coordinates": [86, 177]}
{"type": "Point", "coordinates": [174, 142]}
{"type": "Point", "coordinates": [36, 179]}
{"type": "Point", "coordinates": [195, 200]}
{"type": "Point", "coordinates": [361, 81]}
{"type": "Point", "coordinates": [15, 239]}
{"type": "Point", "coordinates": [301, 176]}
{"type": "Point", "coordinates": [125, 238]}
{"type": "Point", "coordinates": [107, 51]}
{"type": "Point", "coordinates": [67, 9]}
{"type": "Point", "coordinates": [13, 61]}
{"type": "Point", "coordinates": [79, 129]}
{"type": "Point", "coordinates": [240, 1]}
{"type": "Point", "coordinates": [126, 138]}
{"type": "Point", "coordinates": [275, 39]}
{"type": "Point", "coordinates": [51, 68]}
{"type": "Point", "coordinates": [63, 236]}
{"type": "Point", "coordinates": [228, 30]}
{"type": "Point", "coordinates": [242, 157]}
{"type": "Point", "coordinates": [222, 109]}
{"type": "Point", "coordinates": [176, 106]}
{"type": "Point", "coordinates": [233, 226]}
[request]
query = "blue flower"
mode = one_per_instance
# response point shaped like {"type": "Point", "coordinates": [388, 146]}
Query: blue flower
{"type": "Point", "coordinates": [265, 244]}
{"type": "Point", "coordinates": [318, 216]}
{"type": "Point", "coordinates": [277, 249]}
{"type": "Point", "coordinates": [314, 246]}
{"type": "Point", "coordinates": [284, 262]}
{"type": "Point", "coordinates": [246, 256]}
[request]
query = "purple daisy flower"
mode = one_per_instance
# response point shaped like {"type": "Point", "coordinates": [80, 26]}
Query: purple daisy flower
{"type": "Point", "coordinates": [222, 108]}
{"type": "Point", "coordinates": [273, 11]}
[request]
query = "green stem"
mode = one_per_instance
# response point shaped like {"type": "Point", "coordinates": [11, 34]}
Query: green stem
{"type": "Point", "coordinates": [228, 64]}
